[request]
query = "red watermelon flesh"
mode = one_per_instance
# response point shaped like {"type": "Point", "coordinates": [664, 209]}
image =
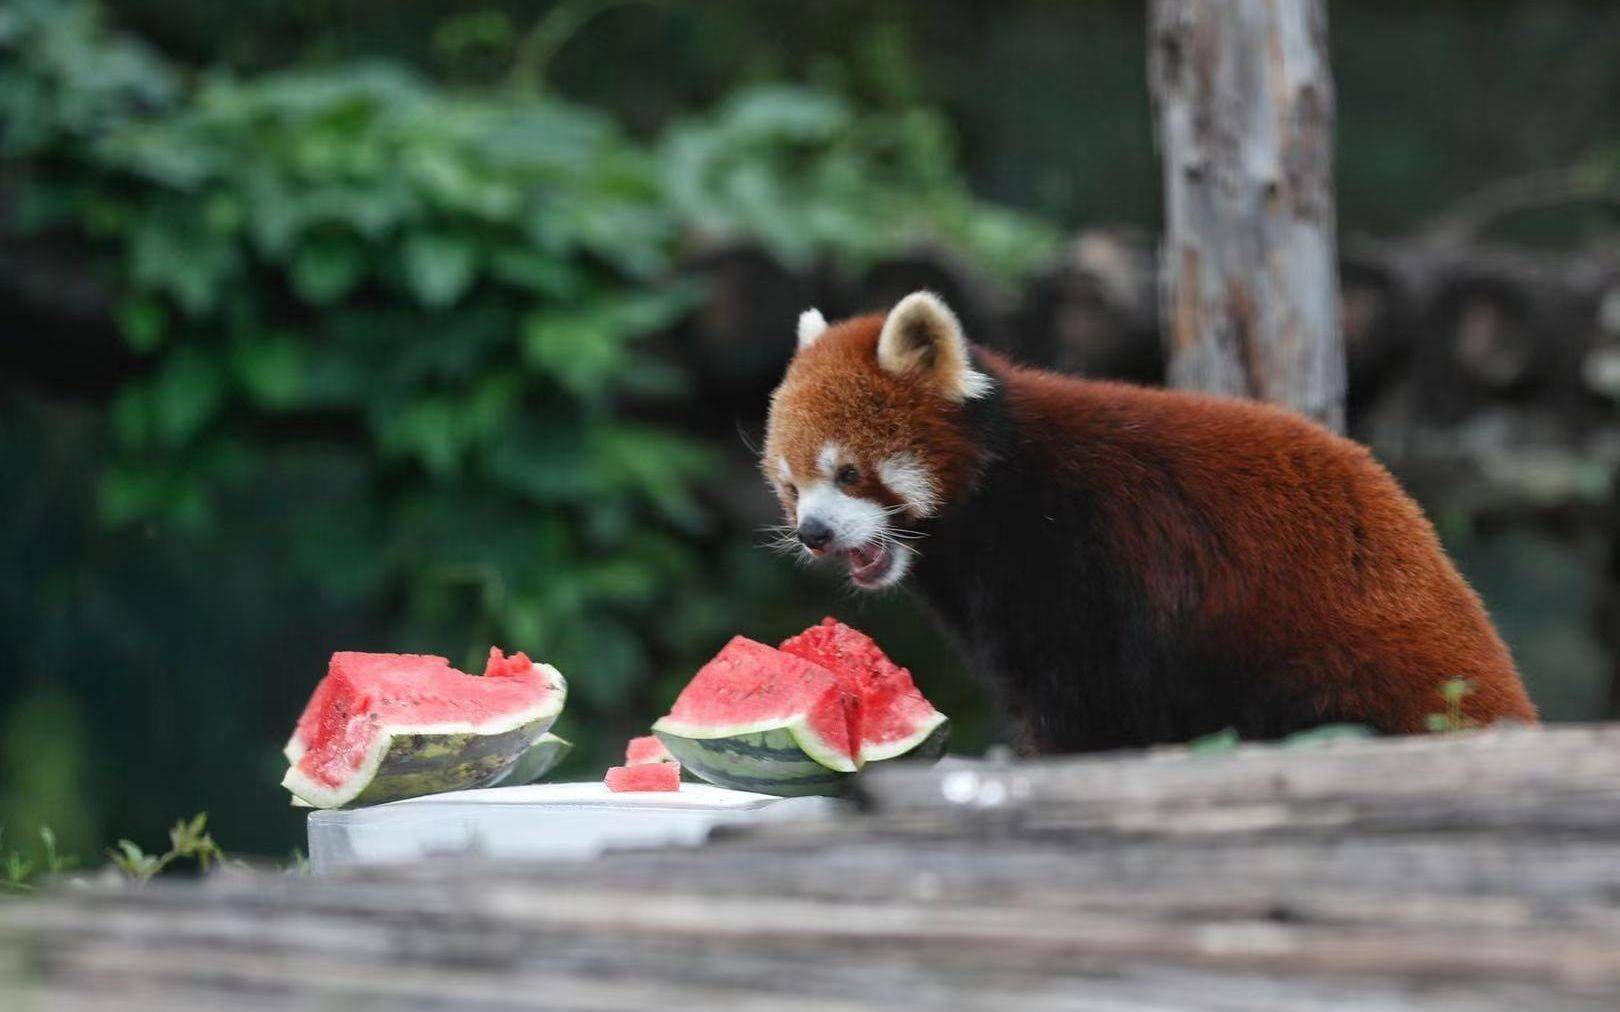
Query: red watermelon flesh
{"type": "Point", "coordinates": [652, 776]}
{"type": "Point", "coordinates": [646, 749]}
{"type": "Point", "coordinates": [750, 687]}
{"type": "Point", "coordinates": [365, 700]}
{"type": "Point", "coordinates": [893, 715]}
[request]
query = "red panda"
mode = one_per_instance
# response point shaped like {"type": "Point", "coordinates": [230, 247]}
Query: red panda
{"type": "Point", "coordinates": [1123, 565]}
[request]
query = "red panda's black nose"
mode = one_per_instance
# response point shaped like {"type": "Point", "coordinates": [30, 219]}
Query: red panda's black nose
{"type": "Point", "coordinates": [815, 534]}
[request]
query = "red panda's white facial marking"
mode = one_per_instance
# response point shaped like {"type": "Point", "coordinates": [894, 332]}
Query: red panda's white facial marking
{"type": "Point", "coordinates": [832, 519]}
{"type": "Point", "coordinates": [910, 480]}
{"type": "Point", "coordinates": [866, 434]}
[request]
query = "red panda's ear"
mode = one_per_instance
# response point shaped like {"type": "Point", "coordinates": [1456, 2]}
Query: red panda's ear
{"type": "Point", "coordinates": [921, 335]}
{"type": "Point", "coordinates": [811, 326]}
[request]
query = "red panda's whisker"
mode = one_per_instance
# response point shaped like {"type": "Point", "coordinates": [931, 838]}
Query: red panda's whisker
{"type": "Point", "coordinates": [903, 532]}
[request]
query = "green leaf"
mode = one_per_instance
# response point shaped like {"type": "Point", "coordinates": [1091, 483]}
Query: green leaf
{"type": "Point", "coordinates": [1224, 740]}
{"type": "Point", "coordinates": [624, 581]}
{"type": "Point", "coordinates": [439, 267]}
{"type": "Point", "coordinates": [544, 462]}
{"type": "Point", "coordinates": [427, 429]}
{"type": "Point", "coordinates": [550, 276]}
{"type": "Point", "coordinates": [273, 369]}
{"type": "Point", "coordinates": [132, 417]}
{"type": "Point", "coordinates": [581, 350]}
{"type": "Point", "coordinates": [326, 267]}
{"type": "Point", "coordinates": [187, 394]}
{"type": "Point", "coordinates": [129, 494]}
{"type": "Point", "coordinates": [1327, 734]}
{"type": "Point", "coordinates": [1452, 690]}
{"type": "Point", "coordinates": [143, 321]}
{"type": "Point", "coordinates": [171, 252]}
{"type": "Point", "coordinates": [656, 466]}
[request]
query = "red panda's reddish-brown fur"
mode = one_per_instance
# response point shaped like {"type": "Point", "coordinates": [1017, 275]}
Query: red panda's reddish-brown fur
{"type": "Point", "coordinates": [1128, 565]}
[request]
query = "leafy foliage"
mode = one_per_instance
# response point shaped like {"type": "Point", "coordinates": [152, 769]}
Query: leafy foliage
{"type": "Point", "coordinates": [188, 839]}
{"type": "Point", "coordinates": [455, 282]}
{"type": "Point", "coordinates": [808, 174]}
{"type": "Point", "coordinates": [18, 872]}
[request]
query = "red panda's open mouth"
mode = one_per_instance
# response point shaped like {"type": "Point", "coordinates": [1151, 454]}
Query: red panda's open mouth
{"type": "Point", "coordinates": [868, 564]}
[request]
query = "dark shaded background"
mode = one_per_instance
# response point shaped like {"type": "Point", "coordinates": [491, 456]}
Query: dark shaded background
{"type": "Point", "coordinates": [155, 646]}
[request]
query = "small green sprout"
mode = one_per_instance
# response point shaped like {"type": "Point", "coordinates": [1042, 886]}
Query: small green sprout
{"type": "Point", "coordinates": [17, 871]}
{"type": "Point", "coordinates": [1453, 691]}
{"type": "Point", "coordinates": [55, 863]}
{"type": "Point", "coordinates": [1326, 734]}
{"type": "Point", "coordinates": [187, 839]}
{"type": "Point", "coordinates": [1224, 740]}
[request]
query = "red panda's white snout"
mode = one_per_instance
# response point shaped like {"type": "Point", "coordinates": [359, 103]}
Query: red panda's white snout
{"type": "Point", "coordinates": [830, 515]}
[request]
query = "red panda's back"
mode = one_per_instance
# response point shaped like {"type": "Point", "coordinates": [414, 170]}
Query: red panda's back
{"type": "Point", "coordinates": [1283, 546]}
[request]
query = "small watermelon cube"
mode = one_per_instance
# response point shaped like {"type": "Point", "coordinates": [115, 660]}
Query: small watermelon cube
{"type": "Point", "coordinates": [646, 749]}
{"type": "Point", "coordinates": [655, 776]}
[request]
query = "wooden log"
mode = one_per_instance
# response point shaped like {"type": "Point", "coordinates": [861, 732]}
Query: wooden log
{"type": "Point", "coordinates": [459, 935]}
{"type": "Point", "coordinates": [1243, 102]}
{"type": "Point", "coordinates": [1430, 873]}
{"type": "Point", "coordinates": [1499, 775]}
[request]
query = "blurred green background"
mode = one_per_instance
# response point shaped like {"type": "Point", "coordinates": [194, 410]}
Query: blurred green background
{"type": "Point", "coordinates": [349, 324]}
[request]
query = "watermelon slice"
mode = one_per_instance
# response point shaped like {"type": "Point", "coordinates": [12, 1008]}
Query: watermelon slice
{"type": "Point", "coordinates": [895, 718]}
{"type": "Point", "coordinates": [656, 776]}
{"type": "Point", "coordinates": [380, 727]}
{"type": "Point", "coordinates": [646, 749]}
{"type": "Point", "coordinates": [802, 719]}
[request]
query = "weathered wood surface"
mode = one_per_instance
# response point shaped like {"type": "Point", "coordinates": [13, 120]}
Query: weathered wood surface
{"type": "Point", "coordinates": [1474, 872]}
{"type": "Point", "coordinates": [1243, 101]}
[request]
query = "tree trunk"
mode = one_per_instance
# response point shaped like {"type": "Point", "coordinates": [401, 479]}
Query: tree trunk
{"type": "Point", "coordinates": [1249, 285]}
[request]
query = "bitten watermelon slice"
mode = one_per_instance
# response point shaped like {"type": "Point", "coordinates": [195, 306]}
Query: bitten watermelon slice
{"type": "Point", "coordinates": [380, 727]}
{"type": "Point", "coordinates": [802, 719]}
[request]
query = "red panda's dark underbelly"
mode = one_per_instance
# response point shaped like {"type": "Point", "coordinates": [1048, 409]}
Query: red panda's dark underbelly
{"type": "Point", "coordinates": [1138, 567]}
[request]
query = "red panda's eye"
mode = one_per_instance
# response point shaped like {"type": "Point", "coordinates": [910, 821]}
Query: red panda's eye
{"type": "Point", "coordinates": [847, 476]}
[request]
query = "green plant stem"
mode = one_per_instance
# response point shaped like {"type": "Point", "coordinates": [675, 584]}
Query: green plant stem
{"type": "Point", "coordinates": [540, 44]}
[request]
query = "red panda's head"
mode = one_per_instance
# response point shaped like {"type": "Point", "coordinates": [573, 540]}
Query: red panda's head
{"type": "Point", "coordinates": [867, 434]}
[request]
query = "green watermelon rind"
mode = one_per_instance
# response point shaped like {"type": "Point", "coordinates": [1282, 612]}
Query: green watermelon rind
{"type": "Point", "coordinates": [907, 745]}
{"type": "Point", "coordinates": [805, 740]}
{"type": "Point", "coordinates": [408, 761]}
{"type": "Point", "coordinates": [931, 749]}
{"type": "Point", "coordinates": [764, 762]}
{"type": "Point", "coordinates": [773, 760]}
{"type": "Point", "coordinates": [536, 761]}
